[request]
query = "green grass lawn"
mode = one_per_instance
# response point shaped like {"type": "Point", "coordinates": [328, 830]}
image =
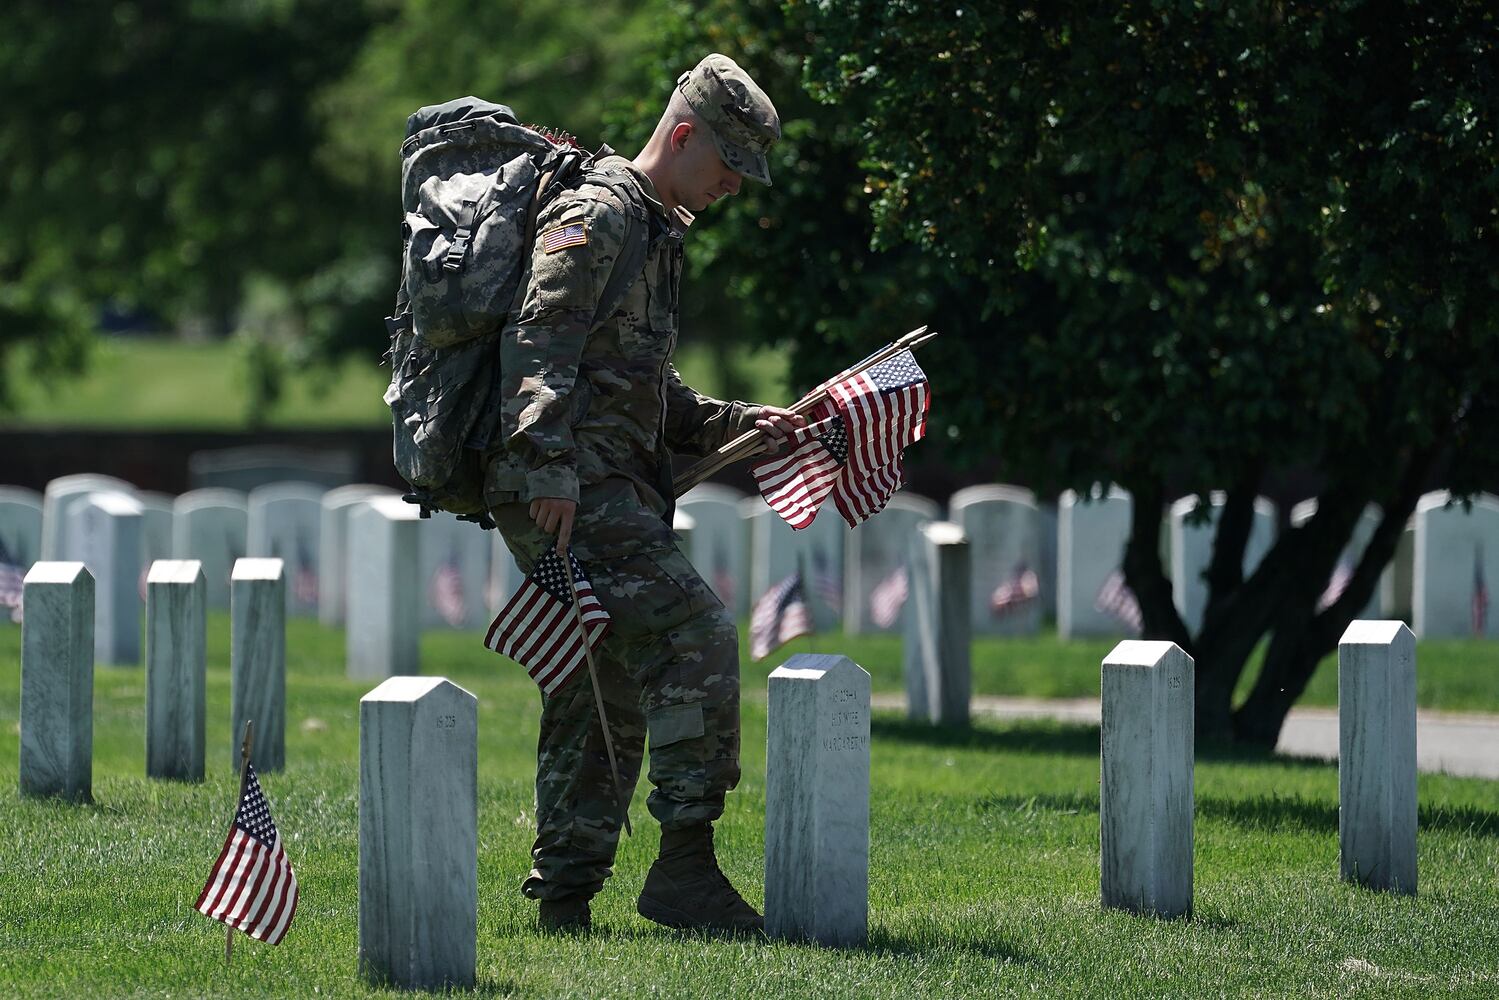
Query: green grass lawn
{"type": "Point", "coordinates": [983, 869]}
{"type": "Point", "coordinates": [1452, 675]}
{"type": "Point", "coordinates": [154, 383]}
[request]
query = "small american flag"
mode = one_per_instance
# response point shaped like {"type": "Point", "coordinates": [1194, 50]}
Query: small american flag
{"type": "Point", "coordinates": [779, 616]}
{"type": "Point", "coordinates": [252, 887]}
{"type": "Point", "coordinates": [538, 628]}
{"type": "Point", "coordinates": [1336, 584]}
{"type": "Point", "coordinates": [1480, 596]}
{"type": "Point", "coordinates": [888, 597]}
{"type": "Point", "coordinates": [723, 575]}
{"type": "Point", "coordinates": [796, 483]}
{"type": "Point", "coordinates": [12, 583]}
{"type": "Point", "coordinates": [884, 409]}
{"type": "Point", "coordinates": [445, 591]}
{"type": "Point", "coordinates": [304, 586]}
{"type": "Point", "coordinates": [1118, 601]}
{"type": "Point", "coordinates": [1016, 591]}
{"type": "Point", "coordinates": [573, 234]}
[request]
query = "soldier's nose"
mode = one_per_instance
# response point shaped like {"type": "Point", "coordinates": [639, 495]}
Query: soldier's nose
{"type": "Point", "coordinates": [731, 183]}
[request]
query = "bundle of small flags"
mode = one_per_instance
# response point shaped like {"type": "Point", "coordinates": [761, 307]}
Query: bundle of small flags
{"type": "Point", "coordinates": [539, 627]}
{"type": "Point", "coordinates": [779, 616]}
{"type": "Point", "coordinates": [1015, 592]}
{"type": "Point", "coordinates": [888, 597]}
{"type": "Point", "coordinates": [252, 887]}
{"type": "Point", "coordinates": [1116, 600]}
{"type": "Point", "coordinates": [851, 448]}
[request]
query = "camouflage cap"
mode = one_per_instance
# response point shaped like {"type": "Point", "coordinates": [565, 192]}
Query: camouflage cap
{"type": "Point", "coordinates": [744, 122]}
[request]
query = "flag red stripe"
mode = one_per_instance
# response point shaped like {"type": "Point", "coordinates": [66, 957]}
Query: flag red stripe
{"type": "Point", "coordinates": [217, 866]}
{"type": "Point", "coordinates": [225, 873]}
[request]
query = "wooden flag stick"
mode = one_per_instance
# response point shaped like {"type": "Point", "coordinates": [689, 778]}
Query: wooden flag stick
{"type": "Point", "coordinates": [752, 442]}
{"type": "Point", "coordinates": [598, 698]}
{"type": "Point", "coordinates": [244, 774]}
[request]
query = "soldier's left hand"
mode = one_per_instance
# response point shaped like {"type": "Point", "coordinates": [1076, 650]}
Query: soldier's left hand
{"type": "Point", "coordinates": [775, 423]}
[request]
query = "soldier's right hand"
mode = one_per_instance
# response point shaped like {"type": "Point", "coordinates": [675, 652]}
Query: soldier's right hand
{"type": "Point", "coordinates": [555, 515]}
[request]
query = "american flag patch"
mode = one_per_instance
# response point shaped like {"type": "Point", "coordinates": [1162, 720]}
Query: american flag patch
{"type": "Point", "coordinates": [574, 234]}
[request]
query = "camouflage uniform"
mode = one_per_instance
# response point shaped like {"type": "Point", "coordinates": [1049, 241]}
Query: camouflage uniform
{"type": "Point", "coordinates": [594, 411]}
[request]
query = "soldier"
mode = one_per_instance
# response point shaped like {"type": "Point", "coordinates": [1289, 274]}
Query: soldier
{"type": "Point", "coordinates": [594, 411]}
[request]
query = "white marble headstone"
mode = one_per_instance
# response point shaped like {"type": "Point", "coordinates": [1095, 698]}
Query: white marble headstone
{"type": "Point", "coordinates": [20, 543]}
{"type": "Point", "coordinates": [418, 834]}
{"type": "Point", "coordinates": [720, 544]}
{"type": "Point", "coordinates": [776, 551]}
{"type": "Point", "coordinates": [1145, 792]}
{"type": "Point", "coordinates": [1377, 755]}
{"type": "Point", "coordinates": [453, 559]}
{"type": "Point", "coordinates": [1456, 567]}
{"type": "Point", "coordinates": [1003, 525]}
{"type": "Point", "coordinates": [176, 662]}
{"type": "Point", "coordinates": [873, 553]}
{"type": "Point", "coordinates": [333, 559]}
{"type": "Point", "coordinates": [62, 491]}
{"type": "Point", "coordinates": [20, 526]}
{"type": "Point", "coordinates": [937, 635]}
{"type": "Point", "coordinates": [817, 801]}
{"type": "Point", "coordinates": [257, 660]}
{"type": "Point", "coordinates": [209, 525]}
{"type": "Point", "coordinates": [385, 599]}
{"type": "Point", "coordinates": [1091, 535]}
{"type": "Point", "coordinates": [1397, 581]}
{"type": "Point", "coordinates": [103, 531]}
{"type": "Point", "coordinates": [284, 522]}
{"type": "Point", "coordinates": [1192, 551]}
{"type": "Point", "coordinates": [57, 682]}
{"type": "Point", "coordinates": [156, 530]}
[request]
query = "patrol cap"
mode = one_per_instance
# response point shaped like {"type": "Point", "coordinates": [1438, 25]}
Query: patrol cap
{"type": "Point", "coordinates": [743, 121]}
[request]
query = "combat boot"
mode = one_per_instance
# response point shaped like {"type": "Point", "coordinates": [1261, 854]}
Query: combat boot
{"type": "Point", "coordinates": [567, 915]}
{"type": "Point", "coordinates": [686, 889]}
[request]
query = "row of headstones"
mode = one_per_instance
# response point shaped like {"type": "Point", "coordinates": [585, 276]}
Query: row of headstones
{"type": "Point", "coordinates": [57, 671]}
{"type": "Point", "coordinates": [418, 765]}
{"type": "Point", "coordinates": [58, 651]}
{"type": "Point", "coordinates": [419, 931]}
{"type": "Point", "coordinates": [461, 574]}
{"type": "Point", "coordinates": [1029, 560]}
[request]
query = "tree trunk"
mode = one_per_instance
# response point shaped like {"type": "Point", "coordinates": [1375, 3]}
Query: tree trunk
{"type": "Point", "coordinates": [1303, 635]}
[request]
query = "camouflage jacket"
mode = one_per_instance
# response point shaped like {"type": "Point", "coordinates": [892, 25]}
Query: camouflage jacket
{"type": "Point", "coordinates": [584, 401]}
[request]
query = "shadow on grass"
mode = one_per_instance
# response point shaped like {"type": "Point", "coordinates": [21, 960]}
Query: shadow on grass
{"type": "Point", "coordinates": [920, 942]}
{"type": "Point", "coordinates": [1027, 736]}
{"type": "Point", "coordinates": [1260, 812]}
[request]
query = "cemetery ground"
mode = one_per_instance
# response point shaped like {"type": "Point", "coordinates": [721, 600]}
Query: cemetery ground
{"type": "Point", "coordinates": [984, 860]}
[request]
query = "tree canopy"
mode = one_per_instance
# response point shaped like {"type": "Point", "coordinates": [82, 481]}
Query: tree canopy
{"type": "Point", "coordinates": [1215, 243]}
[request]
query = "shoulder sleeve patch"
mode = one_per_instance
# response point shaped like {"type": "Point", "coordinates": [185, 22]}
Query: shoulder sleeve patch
{"type": "Point", "coordinates": [568, 234]}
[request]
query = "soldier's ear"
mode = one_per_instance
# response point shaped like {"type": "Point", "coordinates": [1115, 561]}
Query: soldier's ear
{"type": "Point", "coordinates": [679, 136]}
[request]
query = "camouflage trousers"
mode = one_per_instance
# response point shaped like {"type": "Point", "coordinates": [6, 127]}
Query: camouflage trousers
{"type": "Point", "coordinates": [669, 673]}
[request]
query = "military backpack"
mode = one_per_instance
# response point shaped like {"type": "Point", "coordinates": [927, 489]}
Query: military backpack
{"type": "Point", "coordinates": [472, 182]}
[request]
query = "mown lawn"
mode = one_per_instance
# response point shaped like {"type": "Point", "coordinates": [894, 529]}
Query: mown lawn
{"type": "Point", "coordinates": [983, 882]}
{"type": "Point", "coordinates": [156, 383]}
{"type": "Point", "coordinates": [1452, 675]}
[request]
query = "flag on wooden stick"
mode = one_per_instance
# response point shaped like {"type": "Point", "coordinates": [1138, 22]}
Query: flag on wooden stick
{"type": "Point", "coordinates": [851, 448]}
{"type": "Point", "coordinates": [779, 616]}
{"type": "Point", "coordinates": [252, 886]}
{"type": "Point", "coordinates": [539, 627]}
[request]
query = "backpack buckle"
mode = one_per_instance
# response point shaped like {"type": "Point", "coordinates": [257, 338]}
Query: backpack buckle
{"type": "Point", "coordinates": [454, 259]}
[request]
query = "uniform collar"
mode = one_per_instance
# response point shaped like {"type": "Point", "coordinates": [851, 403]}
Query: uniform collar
{"type": "Point", "coordinates": [677, 220]}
